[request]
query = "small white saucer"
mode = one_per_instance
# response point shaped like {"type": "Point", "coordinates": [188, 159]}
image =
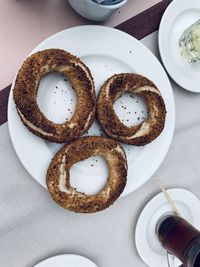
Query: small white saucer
{"type": "Point", "coordinates": [179, 15]}
{"type": "Point", "coordinates": [147, 244]}
{"type": "Point", "coordinates": [66, 260]}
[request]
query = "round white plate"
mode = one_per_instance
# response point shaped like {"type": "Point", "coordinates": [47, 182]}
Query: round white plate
{"type": "Point", "coordinates": [179, 15]}
{"type": "Point", "coordinates": [69, 260]}
{"type": "Point", "coordinates": [146, 241]}
{"type": "Point", "coordinates": [106, 51]}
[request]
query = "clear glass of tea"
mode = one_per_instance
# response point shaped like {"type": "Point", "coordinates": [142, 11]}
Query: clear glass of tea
{"type": "Point", "coordinates": [180, 239]}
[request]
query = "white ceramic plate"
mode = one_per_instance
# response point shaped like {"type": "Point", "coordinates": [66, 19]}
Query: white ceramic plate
{"type": "Point", "coordinates": [69, 260]}
{"type": "Point", "coordinates": [146, 241]}
{"type": "Point", "coordinates": [179, 15]}
{"type": "Point", "coordinates": [106, 51]}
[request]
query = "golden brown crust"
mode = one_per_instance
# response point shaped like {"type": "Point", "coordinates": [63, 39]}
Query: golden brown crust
{"type": "Point", "coordinates": [58, 178]}
{"type": "Point", "coordinates": [25, 92]}
{"type": "Point", "coordinates": [146, 131]}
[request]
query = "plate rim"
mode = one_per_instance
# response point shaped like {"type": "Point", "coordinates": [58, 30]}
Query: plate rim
{"type": "Point", "coordinates": [172, 119]}
{"type": "Point", "coordinates": [63, 256]}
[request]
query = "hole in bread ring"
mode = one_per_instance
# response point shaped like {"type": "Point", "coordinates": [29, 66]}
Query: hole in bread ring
{"type": "Point", "coordinates": [142, 133]}
{"type": "Point", "coordinates": [58, 178]}
{"type": "Point", "coordinates": [26, 87]}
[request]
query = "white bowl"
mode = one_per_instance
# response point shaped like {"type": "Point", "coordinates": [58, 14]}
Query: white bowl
{"type": "Point", "coordinates": [95, 11]}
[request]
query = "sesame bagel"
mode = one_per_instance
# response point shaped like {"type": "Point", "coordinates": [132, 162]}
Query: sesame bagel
{"type": "Point", "coordinates": [25, 91]}
{"type": "Point", "coordinates": [146, 131]}
{"type": "Point", "coordinates": [58, 174]}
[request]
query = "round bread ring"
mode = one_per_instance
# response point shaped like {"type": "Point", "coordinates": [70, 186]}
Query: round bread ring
{"type": "Point", "coordinates": [146, 131]}
{"type": "Point", "coordinates": [26, 87]}
{"type": "Point", "coordinates": [58, 177]}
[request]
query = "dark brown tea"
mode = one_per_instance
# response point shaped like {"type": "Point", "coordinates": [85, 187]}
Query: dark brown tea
{"type": "Point", "coordinates": [181, 239]}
